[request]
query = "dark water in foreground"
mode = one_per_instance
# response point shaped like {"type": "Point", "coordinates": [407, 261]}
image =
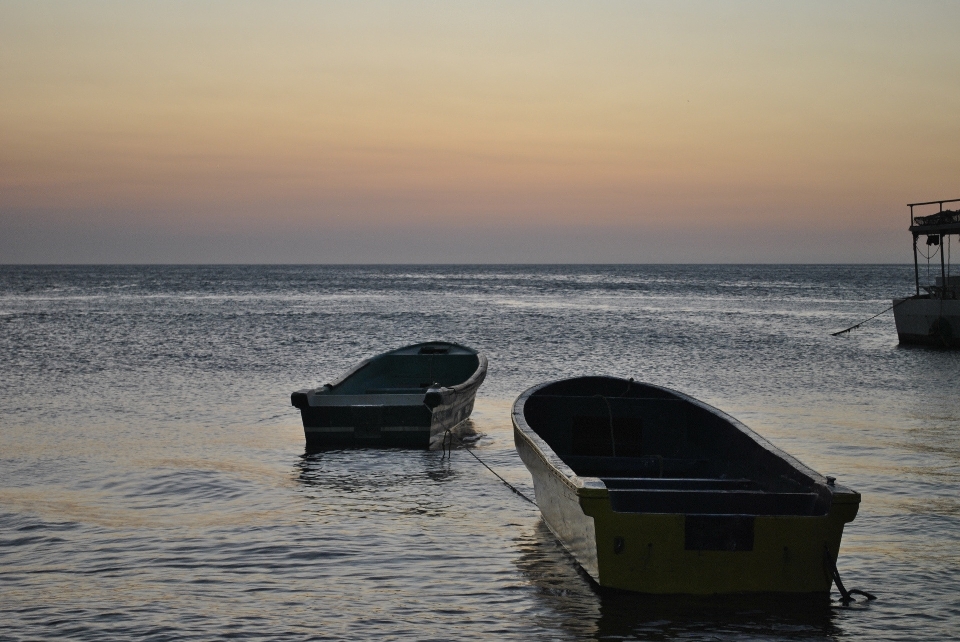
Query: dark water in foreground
{"type": "Point", "coordinates": [153, 481]}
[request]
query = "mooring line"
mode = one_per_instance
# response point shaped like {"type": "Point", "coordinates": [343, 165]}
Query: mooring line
{"type": "Point", "coordinates": [845, 595]}
{"type": "Point", "coordinates": [450, 451]}
{"type": "Point", "coordinates": [613, 442]}
{"type": "Point", "coordinates": [854, 327]}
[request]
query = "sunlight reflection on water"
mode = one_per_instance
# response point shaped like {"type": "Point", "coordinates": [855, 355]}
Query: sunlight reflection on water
{"type": "Point", "coordinates": [154, 484]}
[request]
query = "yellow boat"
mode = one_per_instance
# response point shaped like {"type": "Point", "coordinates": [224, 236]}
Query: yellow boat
{"type": "Point", "coordinates": [654, 491]}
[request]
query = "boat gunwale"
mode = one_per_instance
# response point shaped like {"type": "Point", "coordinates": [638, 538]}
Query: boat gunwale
{"type": "Point", "coordinates": [584, 485]}
{"type": "Point", "coordinates": [475, 379]}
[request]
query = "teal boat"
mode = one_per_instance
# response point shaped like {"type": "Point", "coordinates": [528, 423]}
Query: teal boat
{"type": "Point", "coordinates": [406, 398]}
{"type": "Point", "coordinates": [656, 492]}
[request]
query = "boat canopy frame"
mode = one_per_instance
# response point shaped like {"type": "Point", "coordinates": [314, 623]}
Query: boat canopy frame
{"type": "Point", "coordinates": [939, 225]}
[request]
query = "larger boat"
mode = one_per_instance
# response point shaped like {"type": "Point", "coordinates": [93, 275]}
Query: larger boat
{"type": "Point", "coordinates": [932, 317]}
{"type": "Point", "coordinates": [654, 491]}
{"type": "Point", "coordinates": [405, 398]}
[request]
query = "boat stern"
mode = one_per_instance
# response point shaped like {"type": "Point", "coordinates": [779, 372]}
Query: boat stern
{"type": "Point", "coordinates": [690, 553]}
{"type": "Point", "coordinates": [928, 321]}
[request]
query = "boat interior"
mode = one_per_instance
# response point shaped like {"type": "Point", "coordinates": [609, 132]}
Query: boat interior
{"type": "Point", "coordinates": [657, 452]}
{"type": "Point", "coordinates": [410, 370]}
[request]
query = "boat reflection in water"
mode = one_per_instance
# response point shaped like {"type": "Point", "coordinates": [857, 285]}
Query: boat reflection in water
{"type": "Point", "coordinates": [588, 611]}
{"type": "Point", "coordinates": [364, 482]}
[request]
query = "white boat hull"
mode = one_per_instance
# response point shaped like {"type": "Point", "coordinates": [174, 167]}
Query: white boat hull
{"type": "Point", "coordinates": [934, 322]}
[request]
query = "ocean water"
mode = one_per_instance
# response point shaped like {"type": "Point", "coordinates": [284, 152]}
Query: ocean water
{"type": "Point", "coordinates": [154, 483]}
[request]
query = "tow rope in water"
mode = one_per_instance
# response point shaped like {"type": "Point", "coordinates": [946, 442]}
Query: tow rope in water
{"type": "Point", "coordinates": [845, 596]}
{"type": "Point", "coordinates": [854, 327]}
{"type": "Point", "coordinates": [448, 452]}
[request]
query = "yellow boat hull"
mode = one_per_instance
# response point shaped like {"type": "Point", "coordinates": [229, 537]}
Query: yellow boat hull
{"type": "Point", "coordinates": [684, 552]}
{"type": "Point", "coordinates": [647, 553]}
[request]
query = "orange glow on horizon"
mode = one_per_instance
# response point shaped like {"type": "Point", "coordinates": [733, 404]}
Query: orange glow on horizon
{"type": "Point", "coordinates": [359, 115]}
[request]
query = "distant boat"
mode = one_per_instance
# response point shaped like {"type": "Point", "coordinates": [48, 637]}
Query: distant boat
{"type": "Point", "coordinates": [932, 317]}
{"type": "Point", "coordinates": [653, 491]}
{"type": "Point", "coordinates": [401, 398]}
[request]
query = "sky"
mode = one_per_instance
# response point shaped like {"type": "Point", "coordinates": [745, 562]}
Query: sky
{"type": "Point", "coordinates": [474, 132]}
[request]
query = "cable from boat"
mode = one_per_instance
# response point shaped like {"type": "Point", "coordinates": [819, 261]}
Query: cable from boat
{"type": "Point", "coordinates": [854, 327]}
{"type": "Point", "coordinates": [506, 483]}
{"type": "Point", "coordinates": [613, 443]}
{"type": "Point", "coordinates": [930, 256]}
{"type": "Point", "coordinates": [845, 596]}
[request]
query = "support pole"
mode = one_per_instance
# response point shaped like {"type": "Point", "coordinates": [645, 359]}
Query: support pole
{"type": "Point", "coordinates": [943, 270]}
{"type": "Point", "coordinates": [916, 265]}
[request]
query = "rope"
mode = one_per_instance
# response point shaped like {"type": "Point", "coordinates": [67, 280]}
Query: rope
{"type": "Point", "coordinates": [854, 327]}
{"type": "Point", "coordinates": [506, 483]}
{"type": "Point", "coordinates": [931, 255]}
{"type": "Point", "coordinates": [845, 596]}
{"type": "Point", "coordinates": [443, 446]}
{"type": "Point", "coordinates": [613, 442]}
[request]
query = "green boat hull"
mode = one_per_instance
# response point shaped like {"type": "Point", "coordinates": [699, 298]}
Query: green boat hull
{"type": "Point", "coordinates": [406, 398]}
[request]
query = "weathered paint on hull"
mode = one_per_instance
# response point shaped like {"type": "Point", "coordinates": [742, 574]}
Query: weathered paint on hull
{"type": "Point", "coordinates": [646, 552]}
{"type": "Point", "coordinates": [382, 426]}
{"type": "Point", "coordinates": [560, 506]}
{"type": "Point", "coordinates": [932, 322]}
{"type": "Point", "coordinates": [787, 554]}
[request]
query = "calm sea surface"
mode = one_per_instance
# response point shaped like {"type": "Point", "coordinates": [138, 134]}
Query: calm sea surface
{"type": "Point", "coordinates": [154, 485]}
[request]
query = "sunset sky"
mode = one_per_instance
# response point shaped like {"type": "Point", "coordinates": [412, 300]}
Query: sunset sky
{"type": "Point", "coordinates": [456, 132]}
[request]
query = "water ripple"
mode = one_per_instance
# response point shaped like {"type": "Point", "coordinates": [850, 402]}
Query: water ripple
{"type": "Point", "coordinates": [154, 485]}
